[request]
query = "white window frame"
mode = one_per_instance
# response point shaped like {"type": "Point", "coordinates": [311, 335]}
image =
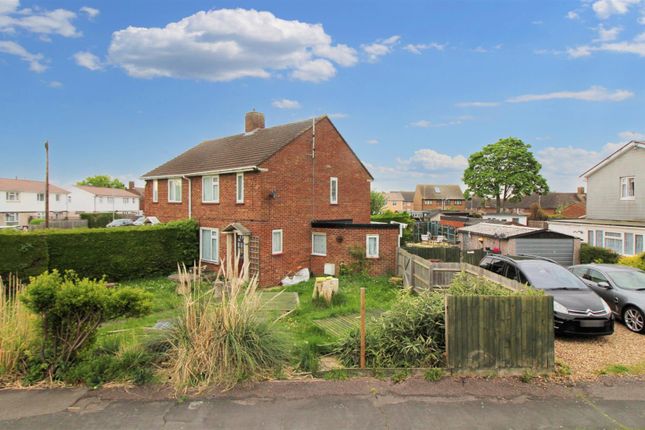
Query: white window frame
{"type": "Point", "coordinates": [40, 197]}
{"type": "Point", "coordinates": [15, 196]}
{"type": "Point", "coordinates": [110, 200]}
{"type": "Point", "coordinates": [367, 245]}
{"type": "Point", "coordinates": [616, 240]}
{"type": "Point", "coordinates": [126, 200]}
{"type": "Point", "coordinates": [239, 188]}
{"type": "Point", "coordinates": [624, 188]}
{"type": "Point", "coordinates": [276, 250]}
{"type": "Point", "coordinates": [313, 248]}
{"type": "Point", "coordinates": [214, 250]}
{"type": "Point", "coordinates": [58, 197]}
{"type": "Point", "coordinates": [333, 190]}
{"type": "Point", "coordinates": [13, 215]}
{"type": "Point", "coordinates": [170, 182]}
{"type": "Point", "coordinates": [215, 196]}
{"type": "Point", "coordinates": [155, 191]}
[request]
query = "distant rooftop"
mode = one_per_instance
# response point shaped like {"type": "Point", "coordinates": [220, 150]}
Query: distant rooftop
{"type": "Point", "coordinates": [28, 186]}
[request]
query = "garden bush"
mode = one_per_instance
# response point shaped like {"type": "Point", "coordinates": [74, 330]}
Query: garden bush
{"type": "Point", "coordinates": [70, 310]}
{"type": "Point", "coordinates": [98, 220]}
{"type": "Point", "coordinates": [596, 254]}
{"type": "Point", "coordinates": [637, 261]}
{"type": "Point", "coordinates": [402, 217]}
{"type": "Point", "coordinates": [17, 328]}
{"type": "Point", "coordinates": [116, 253]}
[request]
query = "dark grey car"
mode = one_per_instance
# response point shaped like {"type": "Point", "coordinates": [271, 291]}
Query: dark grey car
{"type": "Point", "coordinates": [622, 287]}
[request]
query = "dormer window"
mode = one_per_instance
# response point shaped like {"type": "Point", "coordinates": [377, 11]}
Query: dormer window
{"type": "Point", "coordinates": [627, 188]}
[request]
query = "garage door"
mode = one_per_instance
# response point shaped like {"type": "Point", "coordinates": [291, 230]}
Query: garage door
{"type": "Point", "coordinates": [560, 250]}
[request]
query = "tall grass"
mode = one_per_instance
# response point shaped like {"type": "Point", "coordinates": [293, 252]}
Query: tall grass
{"type": "Point", "coordinates": [17, 327]}
{"type": "Point", "coordinates": [219, 338]}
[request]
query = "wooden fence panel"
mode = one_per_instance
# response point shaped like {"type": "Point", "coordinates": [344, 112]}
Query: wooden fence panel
{"type": "Point", "coordinates": [485, 332]}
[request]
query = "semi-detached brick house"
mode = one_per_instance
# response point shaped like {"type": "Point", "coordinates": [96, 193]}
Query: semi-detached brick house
{"type": "Point", "coordinates": [283, 198]}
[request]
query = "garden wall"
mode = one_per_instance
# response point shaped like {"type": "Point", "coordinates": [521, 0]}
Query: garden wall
{"type": "Point", "coordinates": [117, 253]}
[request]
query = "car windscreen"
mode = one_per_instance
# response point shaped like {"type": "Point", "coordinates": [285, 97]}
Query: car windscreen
{"type": "Point", "coordinates": [627, 279]}
{"type": "Point", "coordinates": [548, 276]}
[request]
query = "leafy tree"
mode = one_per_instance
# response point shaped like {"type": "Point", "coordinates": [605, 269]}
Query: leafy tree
{"type": "Point", "coordinates": [505, 170]}
{"type": "Point", "coordinates": [102, 181]}
{"type": "Point", "coordinates": [377, 202]}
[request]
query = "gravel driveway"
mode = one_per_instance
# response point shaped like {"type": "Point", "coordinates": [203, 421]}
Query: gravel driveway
{"type": "Point", "coordinates": [588, 356]}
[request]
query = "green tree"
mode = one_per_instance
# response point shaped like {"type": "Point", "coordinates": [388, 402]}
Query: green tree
{"type": "Point", "coordinates": [377, 202]}
{"type": "Point", "coordinates": [505, 170]}
{"type": "Point", "coordinates": [102, 181]}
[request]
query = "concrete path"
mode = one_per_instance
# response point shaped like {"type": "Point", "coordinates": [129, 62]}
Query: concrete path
{"type": "Point", "coordinates": [364, 404]}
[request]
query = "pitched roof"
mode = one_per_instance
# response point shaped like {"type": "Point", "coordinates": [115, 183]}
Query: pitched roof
{"type": "Point", "coordinates": [28, 186]}
{"type": "Point", "coordinates": [408, 196]}
{"type": "Point", "coordinates": [631, 145]}
{"type": "Point", "coordinates": [232, 152]}
{"type": "Point", "coordinates": [548, 201]}
{"type": "Point", "coordinates": [106, 192]}
{"type": "Point", "coordinates": [437, 192]}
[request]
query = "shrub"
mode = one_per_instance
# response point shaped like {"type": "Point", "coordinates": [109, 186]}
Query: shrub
{"type": "Point", "coordinates": [596, 254]}
{"type": "Point", "coordinates": [434, 374]}
{"type": "Point", "coordinates": [36, 221]}
{"type": "Point", "coordinates": [402, 217]}
{"type": "Point", "coordinates": [309, 361]}
{"type": "Point", "coordinates": [223, 341]}
{"type": "Point", "coordinates": [71, 309]}
{"type": "Point", "coordinates": [97, 220]}
{"type": "Point", "coordinates": [117, 253]}
{"type": "Point", "coordinates": [637, 261]}
{"type": "Point", "coordinates": [358, 264]}
{"type": "Point", "coordinates": [17, 328]}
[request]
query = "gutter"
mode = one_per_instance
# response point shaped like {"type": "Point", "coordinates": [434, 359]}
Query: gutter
{"type": "Point", "coordinates": [209, 172]}
{"type": "Point", "coordinates": [190, 196]}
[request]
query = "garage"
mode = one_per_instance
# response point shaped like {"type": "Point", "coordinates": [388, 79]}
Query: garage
{"type": "Point", "coordinates": [559, 249]}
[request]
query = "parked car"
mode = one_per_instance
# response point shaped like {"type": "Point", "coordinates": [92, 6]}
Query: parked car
{"type": "Point", "coordinates": [147, 220]}
{"type": "Point", "coordinates": [577, 309]}
{"type": "Point", "coordinates": [121, 222]}
{"type": "Point", "coordinates": [622, 287]}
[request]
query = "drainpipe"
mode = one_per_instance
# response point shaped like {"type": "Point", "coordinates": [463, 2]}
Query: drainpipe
{"type": "Point", "coordinates": [190, 197]}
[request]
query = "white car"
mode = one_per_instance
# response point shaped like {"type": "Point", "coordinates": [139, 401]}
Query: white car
{"type": "Point", "coordinates": [147, 220]}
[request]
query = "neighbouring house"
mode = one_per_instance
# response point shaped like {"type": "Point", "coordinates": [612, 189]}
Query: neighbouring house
{"type": "Point", "coordinates": [139, 191]}
{"type": "Point", "coordinates": [562, 205]}
{"type": "Point", "coordinates": [443, 197]}
{"type": "Point", "coordinates": [22, 200]}
{"type": "Point", "coordinates": [399, 201]}
{"type": "Point", "coordinates": [513, 218]}
{"type": "Point", "coordinates": [88, 199]}
{"type": "Point", "coordinates": [281, 198]}
{"type": "Point", "coordinates": [615, 203]}
{"type": "Point", "coordinates": [518, 240]}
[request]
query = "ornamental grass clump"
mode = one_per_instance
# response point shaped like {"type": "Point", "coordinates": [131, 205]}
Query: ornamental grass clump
{"type": "Point", "coordinates": [220, 338]}
{"type": "Point", "coordinates": [17, 328]}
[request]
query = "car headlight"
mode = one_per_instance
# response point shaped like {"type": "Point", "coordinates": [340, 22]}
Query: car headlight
{"type": "Point", "coordinates": [559, 308]}
{"type": "Point", "coordinates": [605, 306]}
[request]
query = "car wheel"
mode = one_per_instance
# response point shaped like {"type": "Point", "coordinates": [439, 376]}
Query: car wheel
{"type": "Point", "coordinates": [634, 319]}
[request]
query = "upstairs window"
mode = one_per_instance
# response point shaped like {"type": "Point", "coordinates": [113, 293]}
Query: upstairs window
{"type": "Point", "coordinates": [627, 188]}
{"type": "Point", "coordinates": [58, 197]}
{"type": "Point", "coordinates": [276, 242]}
{"type": "Point", "coordinates": [155, 191]}
{"type": "Point", "coordinates": [239, 188]}
{"type": "Point", "coordinates": [126, 200]}
{"type": "Point", "coordinates": [333, 191]}
{"type": "Point", "coordinates": [372, 246]}
{"type": "Point", "coordinates": [40, 197]}
{"type": "Point", "coordinates": [13, 196]}
{"type": "Point", "coordinates": [210, 189]}
{"type": "Point", "coordinates": [174, 190]}
{"type": "Point", "coordinates": [110, 199]}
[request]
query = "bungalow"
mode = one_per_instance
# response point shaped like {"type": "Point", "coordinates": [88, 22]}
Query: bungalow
{"type": "Point", "coordinates": [281, 198]}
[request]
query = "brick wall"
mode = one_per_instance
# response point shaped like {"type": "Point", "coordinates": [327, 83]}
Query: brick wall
{"type": "Point", "coordinates": [341, 240]}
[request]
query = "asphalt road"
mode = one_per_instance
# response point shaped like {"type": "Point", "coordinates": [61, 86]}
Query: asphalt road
{"type": "Point", "coordinates": [367, 404]}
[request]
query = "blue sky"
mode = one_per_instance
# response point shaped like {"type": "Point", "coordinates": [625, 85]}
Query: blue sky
{"type": "Point", "coordinates": [118, 87]}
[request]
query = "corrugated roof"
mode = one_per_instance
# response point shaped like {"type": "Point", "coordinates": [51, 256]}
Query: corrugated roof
{"type": "Point", "coordinates": [437, 192]}
{"type": "Point", "coordinates": [29, 186]}
{"type": "Point", "coordinates": [237, 151]}
{"type": "Point", "coordinates": [106, 192]}
{"type": "Point", "coordinates": [501, 230]}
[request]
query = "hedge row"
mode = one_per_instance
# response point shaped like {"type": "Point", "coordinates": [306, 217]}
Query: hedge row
{"type": "Point", "coordinates": [97, 220]}
{"type": "Point", "coordinates": [117, 253]}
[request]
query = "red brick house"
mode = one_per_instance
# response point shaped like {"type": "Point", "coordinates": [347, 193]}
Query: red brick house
{"type": "Point", "coordinates": [429, 197]}
{"type": "Point", "coordinates": [282, 198]}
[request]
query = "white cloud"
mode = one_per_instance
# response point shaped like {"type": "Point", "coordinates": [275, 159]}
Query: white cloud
{"type": "Point", "coordinates": [628, 135]}
{"type": "Point", "coordinates": [424, 123]}
{"type": "Point", "coordinates": [55, 84]}
{"type": "Point", "coordinates": [635, 47]}
{"type": "Point", "coordinates": [573, 15]}
{"type": "Point", "coordinates": [606, 8]}
{"type": "Point", "coordinates": [90, 11]}
{"type": "Point", "coordinates": [592, 94]}
{"type": "Point", "coordinates": [579, 51]}
{"type": "Point", "coordinates": [419, 47]}
{"type": "Point", "coordinates": [286, 104]}
{"type": "Point", "coordinates": [431, 160]}
{"type": "Point", "coordinates": [372, 142]}
{"type": "Point", "coordinates": [88, 60]}
{"type": "Point", "coordinates": [43, 22]}
{"type": "Point", "coordinates": [227, 44]}
{"type": "Point", "coordinates": [35, 60]}
{"type": "Point", "coordinates": [378, 49]}
{"type": "Point", "coordinates": [607, 34]}
{"type": "Point", "coordinates": [477, 104]}
{"type": "Point", "coordinates": [484, 50]}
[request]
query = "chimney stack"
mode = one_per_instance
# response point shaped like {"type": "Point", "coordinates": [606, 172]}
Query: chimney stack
{"type": "Point", "coordinates": [253, 121]}
{"type": "Point", "coordinates": [581, 190]}
{"type": "Point", "coordinates": [131, 185]}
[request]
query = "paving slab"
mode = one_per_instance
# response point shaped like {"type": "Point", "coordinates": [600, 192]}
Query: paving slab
{"type": "Point", "coordinates": [16, 404]}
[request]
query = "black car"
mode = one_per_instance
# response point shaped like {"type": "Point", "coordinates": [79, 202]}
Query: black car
{"type": "Point", "coordinates": [577, 309]}
{"type": "Point", "coordinates": [622, 287]}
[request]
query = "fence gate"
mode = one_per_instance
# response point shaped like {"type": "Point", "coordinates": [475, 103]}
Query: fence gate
{"type": "Point", "coordinates": [484, 332]}
{"type": "Point", "coordinates": [254, 256]}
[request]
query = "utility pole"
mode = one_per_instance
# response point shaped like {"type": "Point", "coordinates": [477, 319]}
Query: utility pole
{"type": "Point", "coordinates": [46, 184]}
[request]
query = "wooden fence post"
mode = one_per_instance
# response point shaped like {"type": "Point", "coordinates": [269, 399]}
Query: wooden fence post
{"type": "Point", "coordinates": [362, 328]}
